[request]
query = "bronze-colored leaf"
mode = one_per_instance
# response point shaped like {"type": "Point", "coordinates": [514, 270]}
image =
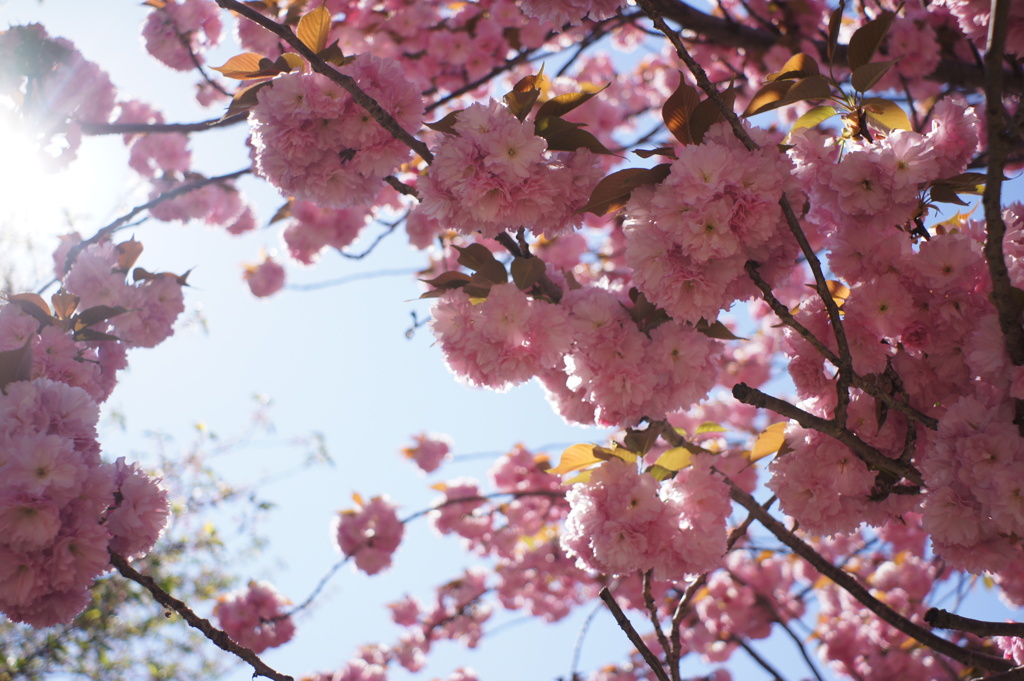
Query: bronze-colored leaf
{"type": "Point", "coordinates": [446, 124]}
{"type": "Point", "coordinates": [612, 193]}
{"type": "Point", "coordinates": [865, 40]}
{"type": "Point", "coordinates": [811, 87]}
{"type": "Point", "coordinates": [283, 212]}
{"type": "Point", "coordinates": [241, 66]}
{"type": "Point", "coordinates": [32, 304]}
{"type": "Point", "coordinates": [526, 272]}
{"type": "Point", "coordinates": [886, 115]}
{"type": "Point", "coordinates": [707, 113]}
{"type": "Point", "coordinates": [563, 104]}
{"type": "Point", "coordinates": [448, 280]}
{"type": "Point", "coordinates": [800, 65]}
{"type": "Point", "coordinates": [244, 99]}
{"type": "Point", "coordinates": [561, 135]}
{"type": "Point", "coordinates": [64, 303]}
{"type": "Point", "coordinates": [769, 97]}
{"type": "Point", "coordinates": [16, 365]}
{"type": "Point", "coordinates": [479, 258]}
{"type": "Point", "coordinates": [864, 77]}
{"type": "Point", "coordinates": [127, 253]}
{"type": "Point", "coordinates": [524, 95]}
{"type": "Point", "coordinates": [313, 28]}
{"type": "Point", "coordinates": [835, 22]}
{"type": "Point", "coordinates": [717, 330]}
{"type": "Point", "coordinates": [96, 314]}
{"type": "Point", "coordinates": [660, 151]}
{"type": "Point", "coordinates": [641, 441]}
{"type": "Point", "coordinates": [677, 109]}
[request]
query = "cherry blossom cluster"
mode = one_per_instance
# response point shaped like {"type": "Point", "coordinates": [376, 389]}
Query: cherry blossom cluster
{"type": "Point", "coordinates": [623, 521]}
{"type": "Point", "coordinates": [370, 533]}
{"type": "Point", "coordinates": [62, 509]}
{"type": "Point", "coordinates": [255, 617]}
{"type": "Point", "coordinates": [177, 32]}
{"type": "Point", "coordinates": [689, 237]}
{"type": "Point", "coordinates": [313, 142]}
{"type": "Point", "coordinates": [587, 350]}
{"type": "Point", "coordinates": [495, 174]}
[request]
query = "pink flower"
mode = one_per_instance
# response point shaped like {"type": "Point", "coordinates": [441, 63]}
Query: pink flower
{"type": "Point", "coordinates": [371, 533]}
{"type": "Point", "coordinates": [254, 618]}
{"type": "Point", "coordinates": [429, 452]}
{"type": "Point", "coordinates": [138, 517]}
{"type": "Point", "coordinates": [264, 279]}
{"type": "Point", "coordinates": [182, 30]}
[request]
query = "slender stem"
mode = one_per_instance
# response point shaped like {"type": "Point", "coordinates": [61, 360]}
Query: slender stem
{"type": "Point", "coordinates": [159, 128]}
{"type": "Point", "coordinates": [849, 583]}
{"type": "Point", "coordinates": [219, 638]}
{"type": "Point", "coordinates": [347, 82]}
{"type": "Point", "coordinates": [652, 610]}
{"type": "Point", "coordinates": [757, 658]}
{"type": "Point", "coordinates": [634, 637]}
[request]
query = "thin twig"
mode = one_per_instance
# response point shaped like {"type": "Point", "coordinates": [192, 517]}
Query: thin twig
{"type": "Point", "coordinates": [757, 658]}
{"type": "Point", "coordinates": [634, 637]}
{"type": "Point", "coordinates": [652, 610]}
{"type": "Point", "coordinates": [577, 648]}
{"type": "Point", "coordinates": [160, 128]}
{"type": "Point", "coordinates": [219, 638]}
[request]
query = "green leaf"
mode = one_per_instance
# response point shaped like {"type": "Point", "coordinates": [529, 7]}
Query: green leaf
{"type": "Point", "coordinates": [818, 114]}
{"type": "Point", "coordinates": [479, 258]}
{"type": "Point", "coordinates": [864, 77]}
{"type": "Point", "coordinates": [612, 193]}
{"type": "Point", "coordinates": [677, 109]}
{"type": "Point", "coordinates": [660, 473]}
{"type": "Point", "coordinates": [865, 40]}
{"type": "Point", "coordinates": [526, 272]}
{"type": "Point", "coordinates": [675, 459]}
{"type": "Point", "coordinates": [709, 427]}
{"type": "Point", "coordinates": [800, 65]}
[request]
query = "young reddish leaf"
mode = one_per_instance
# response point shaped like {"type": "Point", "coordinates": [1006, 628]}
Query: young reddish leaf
{"type": "Point", "coordinates": [127, 253]}
{"type": "Point", "coordinates": [866, 39]}
{"type": "Point", "coordinates": [612, 193]}
{"type": "Point", "coordinates": [524, 95]}
{"type": "Point", "coordinates": [333, 55]}
{"type": "Point", "coordinates": [769, 97]}
{"type": "Point", "coordinates": [283, 212]}
{"type": "Point", "coordinates": [769, 441]}
{"type": "Point", "coordinates": [241, 66]}
{"type": "Point", "coordinates": [526, 272]}
{"type": "Point", "coordinates": [660, 151]}
{"type": "Point", "coordinates": [16, 365]}
{"type": "Point", "coordinates": [716, 330]}
{"type": "Point", "coordinates": [835, 22]}
{"type": "Point", "coordinates": [64, 304]}
{"type": "Point", "coordinates": [707, 114]}
{"type": "Point", "coordinates": [838, 290]}
{"type": "Point", "coordinates": [800, 65]}
{"type": "Point", "coordinates": [448, 280]}
{"type": "Point", "coordinates": [641, 441]}
{"type": "Point", "coordinates": [865, 77]}
{"type": "Point", "coordinates": [675, 459]}
{"type": "Point", "coordinates": [244, 99]}
{"type": "Point", "coordinates": [563, 104]}
{"type": "Point", "coordinates": [677, 109]}
{"type": "Point", "coordinates": [96, 314]}
{"type": "Point", "coordinates": [886, 115]}
{"type": "Point", "coordinates": [313, 28]}
{"type": "Point", "coordinates": [32, 304]}
{"type": "Point", "coordinates": [446, 124]}
{"type": "Point", "coordinates": [155, 4]}
{"type": "Point", "coordinates": [945, 194]}
{"type": "Point", "coordinates": [561, 135]}
{"type": "Point", "coordinates": [479, 258]}
{"type": "Point", "coordinates": [575, 458]}
{"type": "Point", "coordinates": [289, 61]}
{"type": "Point", "coordinates": [616, 452]}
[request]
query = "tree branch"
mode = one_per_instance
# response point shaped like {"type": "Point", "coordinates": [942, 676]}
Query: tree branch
{"type": "Point", "coordinates": [634, 637]}
{"type": "Point", "coordinates": [849, 583]}
{"type": "Point", "coordinates": [219, 638]}
{"type": "Point", "coordinates": [943, 619]}
{"type": "Point", "coordinates": [159, 128]}
{"type": "Point", "coordinates": [347, 82]}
